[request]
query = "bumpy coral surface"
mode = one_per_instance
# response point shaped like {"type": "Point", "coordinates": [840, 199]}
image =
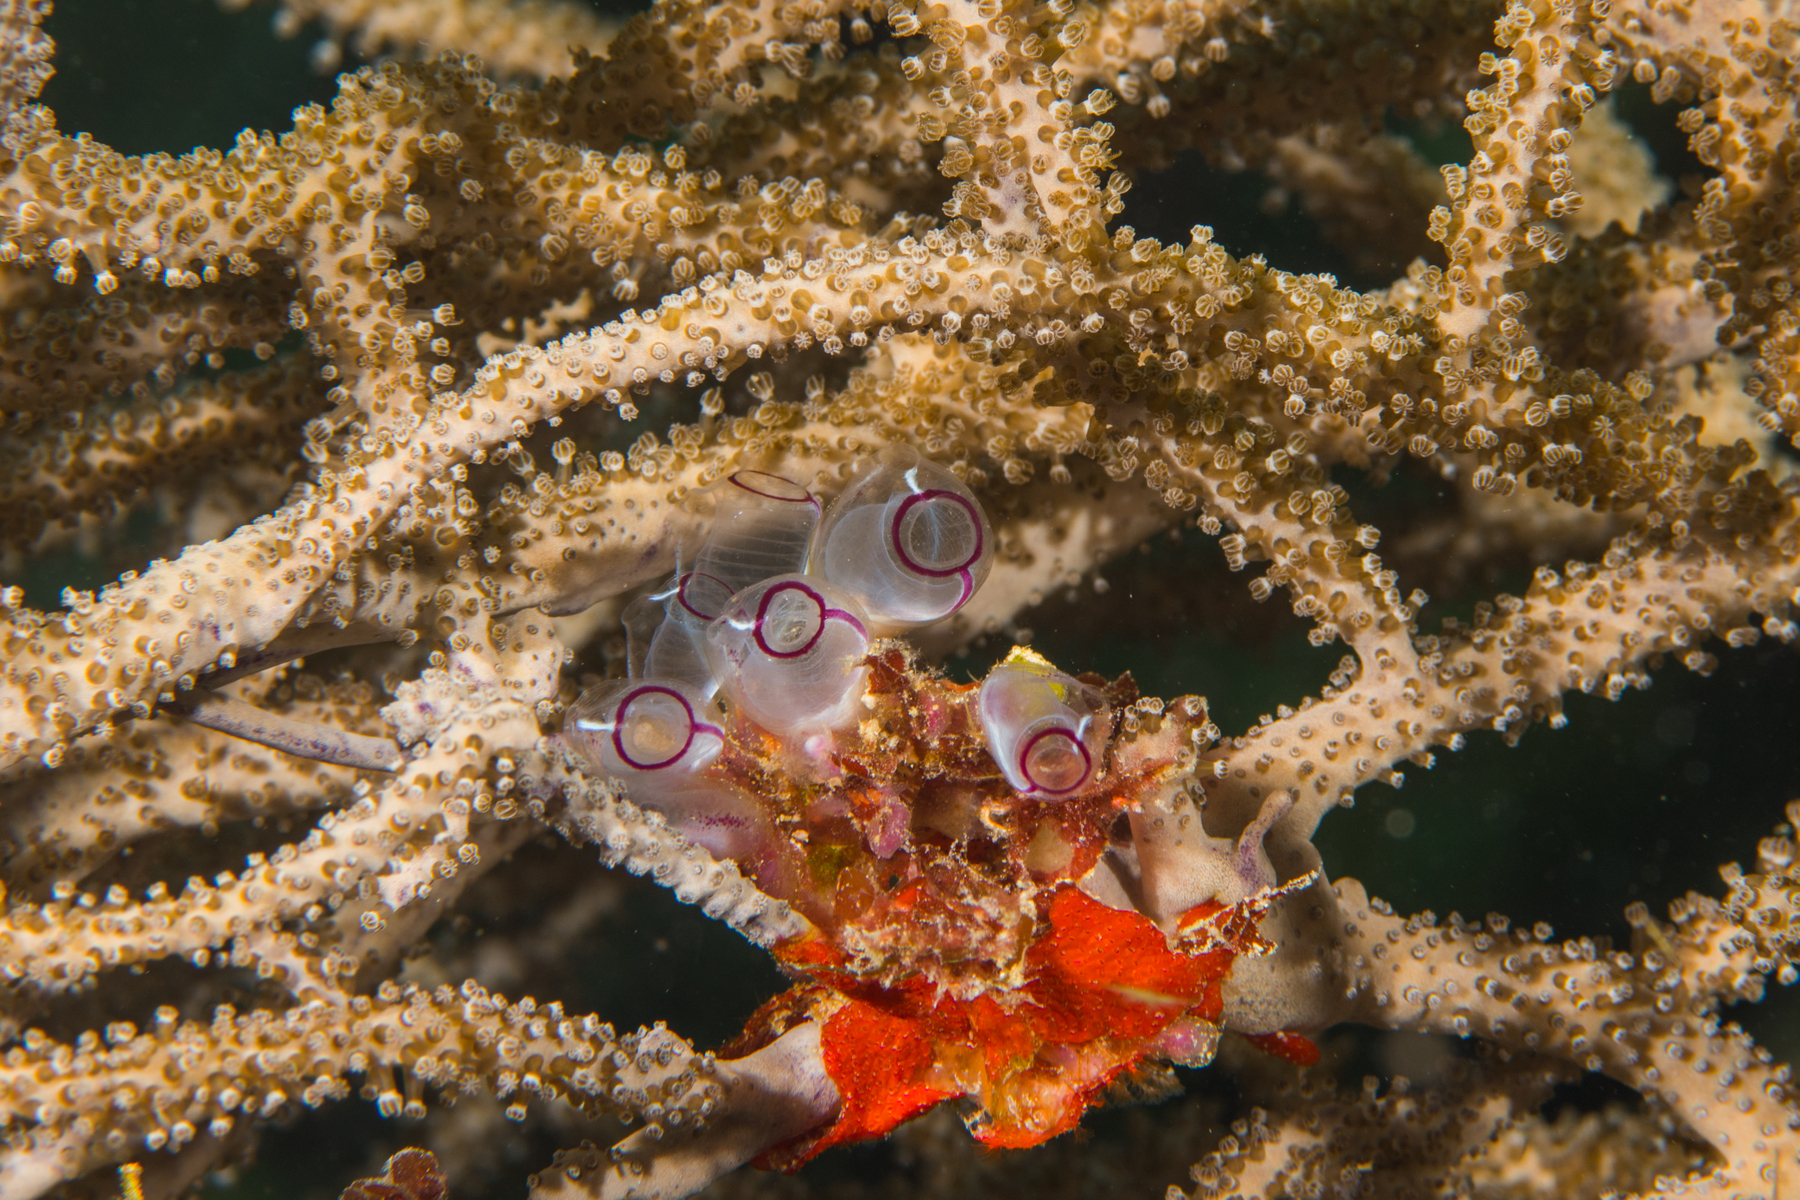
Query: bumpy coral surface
{"type": "Point", "coordinates": [424, 403]}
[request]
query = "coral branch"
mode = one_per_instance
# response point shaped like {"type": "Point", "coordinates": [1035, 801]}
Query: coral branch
{"type": "Point", "coordinates": [474, 387]}
{"type": "Point", "coordinates": [228, 714]}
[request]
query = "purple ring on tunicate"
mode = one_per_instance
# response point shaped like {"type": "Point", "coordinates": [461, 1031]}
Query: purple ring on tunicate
{"type": "Point", "coordinates": [681, 597]}
{"type": "Point", "coordinates": [925, 497]}
{"type": "Point", "coordinates": [824, 614]}
{"type": "Point", "coordinates": [751, 481]}
{"type": "Point", "coordinates": [1087, 760]}
{"type": "Point", "coordinates": [694, 726]}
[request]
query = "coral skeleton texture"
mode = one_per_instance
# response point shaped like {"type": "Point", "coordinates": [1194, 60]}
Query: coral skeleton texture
{"type": "Point", "coordinates": [389, 381]}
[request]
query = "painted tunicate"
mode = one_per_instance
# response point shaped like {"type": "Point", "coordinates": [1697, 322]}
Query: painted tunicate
{"type": "Point", "coordinates": [647, 727]}
{"type": "Point", "coordinates": [906, 539]}
{"type": "Point", "coordinates": [761, 527]}
{"type": "Point", "coordinates": [1046, 730]}
{"type": "Point", "coordinates": [788, 653]}
{"type": "Point", "coordinates": [657, 737]}
{"type": "Point", "coordinates": [663, 645]}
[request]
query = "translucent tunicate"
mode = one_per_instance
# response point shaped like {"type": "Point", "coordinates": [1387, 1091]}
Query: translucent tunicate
{"type": "Point", "coordinates": [761, 527]}
{"type": "Point", "coordinates": [906, 539]}
{"type": "Point", "coordinates": [663, 643]}
{"type": "Point", "coordinates": [1046, 730]}
{"type": "Point", "coordinates": [653, 728]}
{"type": "Point", "coordinates": [657, 737]}
{"type": "Point", "coordinates": [788, 652]}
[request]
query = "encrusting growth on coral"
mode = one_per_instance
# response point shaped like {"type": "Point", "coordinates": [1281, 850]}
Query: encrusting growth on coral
{"type": "Point", "coordinates": [388, 380]}
{"type": "Point", "coordinates": [408, 1175]}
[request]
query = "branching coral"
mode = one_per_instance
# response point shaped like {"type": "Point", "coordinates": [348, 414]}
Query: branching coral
{"type": "Point", "coordinates": [811, 232]}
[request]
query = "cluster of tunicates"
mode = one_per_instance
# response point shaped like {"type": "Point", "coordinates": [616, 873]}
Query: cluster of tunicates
{"type": "Point", "coordinates": [772, 621]}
